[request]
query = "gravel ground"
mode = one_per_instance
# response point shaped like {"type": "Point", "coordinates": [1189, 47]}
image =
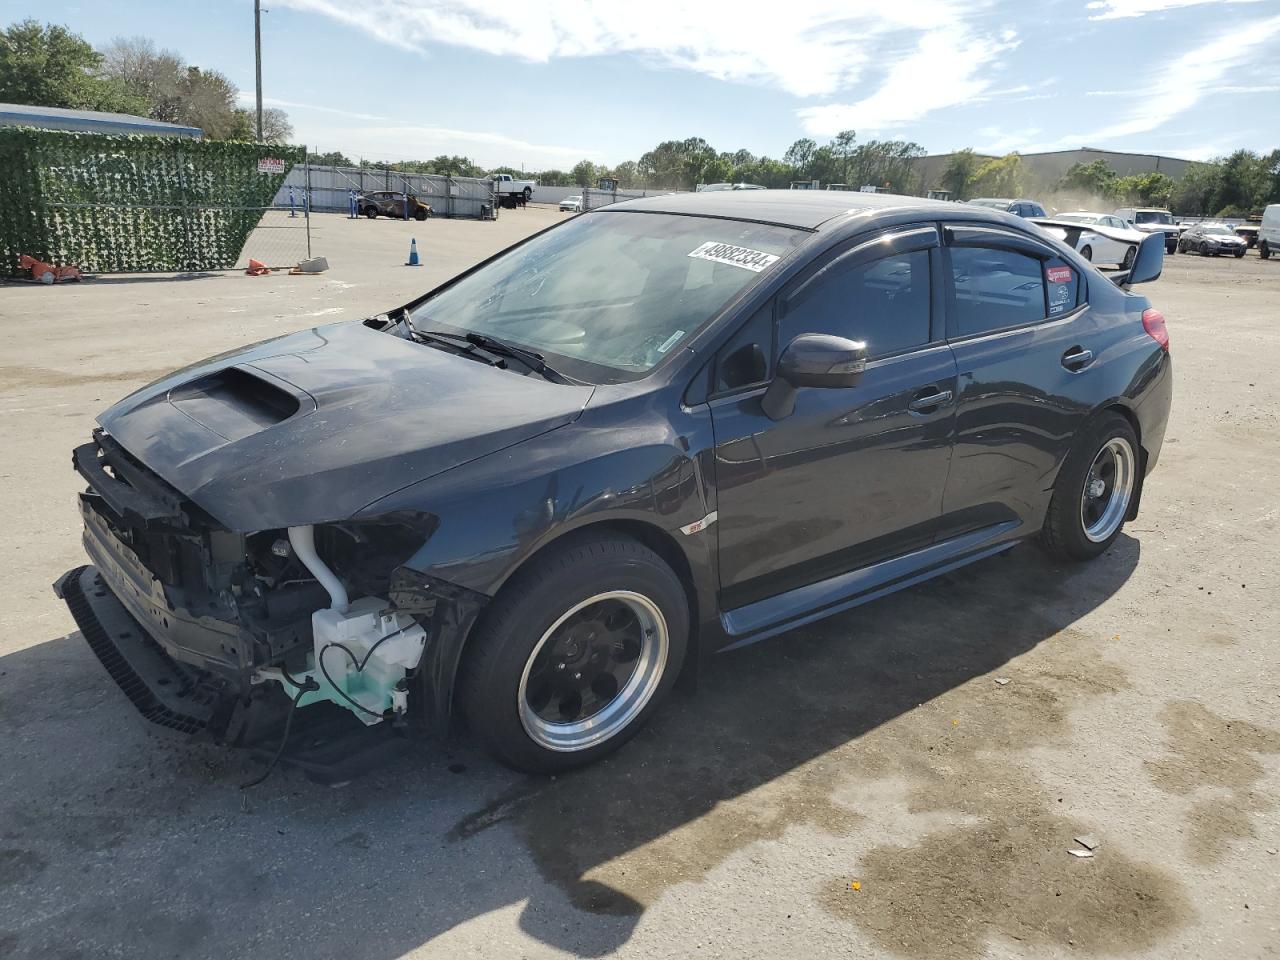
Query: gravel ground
{"type": "Point", "coordinates": [861, 787]}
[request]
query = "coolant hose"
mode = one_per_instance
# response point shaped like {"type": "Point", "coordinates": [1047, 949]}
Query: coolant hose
{"type": "Point", "coordinates": [303, 541]}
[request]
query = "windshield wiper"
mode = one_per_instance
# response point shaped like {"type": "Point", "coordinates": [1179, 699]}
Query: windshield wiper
{"type": "Point", "coordinates": [465, 348]}
{"type": "Point", "coordinates": [534, 361]}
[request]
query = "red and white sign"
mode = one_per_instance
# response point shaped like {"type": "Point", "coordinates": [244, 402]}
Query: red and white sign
{"type": "Point", "coordinates": [270, 165]}
{"type": "Point", "coordinates": [1058, 274]}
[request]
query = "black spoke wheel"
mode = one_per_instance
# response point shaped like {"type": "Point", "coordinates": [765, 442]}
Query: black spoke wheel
{"type": "Point", "coordinates": [593, 670]}
{"type": "Point", "coordinates": [1094, 491]}
{"type": "Point", "coordinates": [574, 653]}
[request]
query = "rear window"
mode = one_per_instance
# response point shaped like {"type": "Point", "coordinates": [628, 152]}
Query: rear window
{"type": "Point", "coordinates": [1152, 216]}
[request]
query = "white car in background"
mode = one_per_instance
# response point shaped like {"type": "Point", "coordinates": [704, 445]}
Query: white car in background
{"type": "Point", "coordinates": [1101, 238]}
{"type": "Point", "coordinates": [571, 204]}
{"type": "Point", "coordinates": [1113, 241]}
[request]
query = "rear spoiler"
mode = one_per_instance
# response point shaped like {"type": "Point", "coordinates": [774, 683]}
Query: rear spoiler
{"type": "Point", "coordinates": [1148, 263]}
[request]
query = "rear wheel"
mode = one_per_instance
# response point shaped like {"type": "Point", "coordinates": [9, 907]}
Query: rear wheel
{"type": "Point", "coordinates": [1087, 252]}
{"type": "Point", "coordinates": [1093, 492]}
{"type": "Point", "coordinates": [574, 654]}
{"type": "Point", "coordinates": [1264, 251]}
{"type": "Point", "coordinates": [1129, 256]}
{"type": "Point", "coordinates": [528, 192]}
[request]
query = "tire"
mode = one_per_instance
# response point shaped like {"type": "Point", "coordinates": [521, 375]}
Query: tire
{"type": "Point", "coordinates": [1264, 251]}
{"type": "Point", "coordinates": [1204, 248]}
{"type": "Point", "coordinates": [528, 192]}
{"type": "Point", "coordinates": [1066, 533]}
{"type": "Point", "coordinates": [1129, 256]}
{"type": "Point", "coordinates": [371, 212]}
{"type": "Point", "coordinates": [1239, 253]}
{"type": "Point", "coordinates": [1087, 252]}
{"type": "Point", "coordinates": [524, 705]}
{"type": "Point", "coordinates": [420, 214]}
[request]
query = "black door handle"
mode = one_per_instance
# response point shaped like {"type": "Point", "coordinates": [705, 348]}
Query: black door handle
{"type": "Point", "coordinates": [1077, 358]}
{"type": "Point", "coordinates": [929, 401]}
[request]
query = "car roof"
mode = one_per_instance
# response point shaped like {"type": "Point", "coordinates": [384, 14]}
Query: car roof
{"type": "Point", "coordinates": [806, 209]}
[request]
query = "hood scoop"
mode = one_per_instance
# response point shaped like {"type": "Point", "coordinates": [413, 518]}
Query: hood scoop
{"type": "Point", "coordinates": [237, 402]}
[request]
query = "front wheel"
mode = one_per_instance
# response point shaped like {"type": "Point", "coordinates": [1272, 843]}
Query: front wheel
{"type": "Point", "coordinates": [420, 214]}
{"type": "Point", "coordinates": [371, 212]}
{"type": "Point", "coordinates": [1094, 490]}
{"type": "Point", "coordinates": [1239, 253]}
{"type": "Point", "coordinates": [574, 654]}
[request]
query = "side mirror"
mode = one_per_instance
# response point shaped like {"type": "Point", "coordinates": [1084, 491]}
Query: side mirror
{"type": "Point", "coordinates": [1148, 264]}
{"type": "Point", "coordinates": [813, 360]}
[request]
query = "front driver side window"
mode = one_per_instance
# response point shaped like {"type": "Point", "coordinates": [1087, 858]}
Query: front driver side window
{"type": "Point", "coordinates": [884, 302]}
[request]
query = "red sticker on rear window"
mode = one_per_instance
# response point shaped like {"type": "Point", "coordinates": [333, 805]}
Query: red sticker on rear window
{"type": "Point", "coordinates": [1058, 274]}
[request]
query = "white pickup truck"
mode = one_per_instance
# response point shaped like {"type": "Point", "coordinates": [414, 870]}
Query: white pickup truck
{"type": "Point", "coordinates": [506, 185]}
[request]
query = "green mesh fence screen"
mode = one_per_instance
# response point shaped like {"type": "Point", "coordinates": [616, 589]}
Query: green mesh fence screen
{"type": "Point", "coordinates": [121, 204]}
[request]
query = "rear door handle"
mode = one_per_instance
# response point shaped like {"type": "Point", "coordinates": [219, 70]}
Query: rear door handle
{"type": "Point", "coordinates": [929, 401]}
{"type": "Point", "coordinates": [1077, 358]}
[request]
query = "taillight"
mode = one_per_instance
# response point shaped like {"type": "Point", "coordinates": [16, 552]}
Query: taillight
{"type": "Point", "coordinates": [1153, 323]}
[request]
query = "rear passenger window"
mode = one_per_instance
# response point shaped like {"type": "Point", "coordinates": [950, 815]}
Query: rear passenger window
{"type": "Point", "coordinates": [884, 302]}
{"type": "Point", "coordinates": [995, 289]}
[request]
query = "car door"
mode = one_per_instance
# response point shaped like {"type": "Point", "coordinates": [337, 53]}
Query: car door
{"type": "Point", "coordinates": [853, 474]}
{"type": "Point", "coordinates": [1115, 250]}
{"type": "Point", "coordinates": [1017, 321]}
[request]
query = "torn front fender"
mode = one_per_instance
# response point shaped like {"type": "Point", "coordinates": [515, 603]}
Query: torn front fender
{"type": "Point", "coordinates": [447, 612]}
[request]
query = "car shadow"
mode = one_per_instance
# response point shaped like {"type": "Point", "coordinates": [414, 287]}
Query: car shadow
{"type": "Point", "coordinates": [114, 837]}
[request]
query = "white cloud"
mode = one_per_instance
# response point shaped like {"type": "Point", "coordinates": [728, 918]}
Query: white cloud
{"type": "Point", "coordinates": [1183, 82]}
{"type": "Point", "coordinates": [813, 49]}
{"type": "Point", "coordinates": [383, 138]}
{"type": "Point", "coordinates": [948, 67]}
{"type": "Point", "coordinates": [1122, 9]}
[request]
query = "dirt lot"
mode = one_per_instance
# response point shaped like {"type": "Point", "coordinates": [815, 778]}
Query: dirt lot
{"type": "Point", "coordinates": [862, 787]}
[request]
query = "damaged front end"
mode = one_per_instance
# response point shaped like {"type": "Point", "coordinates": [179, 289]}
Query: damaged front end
{"type": "Point", "coordinates": [220, 634]}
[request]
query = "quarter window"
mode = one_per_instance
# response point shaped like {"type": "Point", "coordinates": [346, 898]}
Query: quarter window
{"type": "Point", "coordinates": [884, 302]}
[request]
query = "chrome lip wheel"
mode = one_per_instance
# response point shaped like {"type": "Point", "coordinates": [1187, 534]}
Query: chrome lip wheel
{"type": "Point", "coordinates": [1107, 490]}
{"type": "Point", "coordinates": [593, 671]}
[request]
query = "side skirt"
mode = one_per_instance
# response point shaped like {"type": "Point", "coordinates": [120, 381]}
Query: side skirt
{"type": "Point", "coordinates": [814, 601]}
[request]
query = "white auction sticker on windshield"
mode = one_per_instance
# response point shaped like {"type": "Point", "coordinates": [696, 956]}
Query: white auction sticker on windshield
{"type": "Point", "coordinates": [748, 259]}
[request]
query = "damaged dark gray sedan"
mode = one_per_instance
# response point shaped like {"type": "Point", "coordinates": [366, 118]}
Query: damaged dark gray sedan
{"type": "Point", "coordinates": [537, 495]}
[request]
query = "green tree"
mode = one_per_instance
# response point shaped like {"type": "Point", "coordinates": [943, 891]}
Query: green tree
{"type": "Point", "coordinates": [1196, 190]}
{"type": "Point", "coordinates": [799, 156]}
{"type": "Point", "coordinates": [53, 67]}
{"type": "Point", "coordinates": [625, 174]}
{"type": "Point", "coordinates": [584, 173]}
{"type": "Point", "coordinates": [885, 162]}
{"type": "Point", "coordinates": [1146, 189]}
{"type": "Point", "coordinates": [1000, 177]}
{"type": "Point", "coordinates": [1096, 179]}
{"type": "Point", "coordinates": [333, 158]}
{"type": "Point", "coordinates": [959, 174]}
{"type": "Point", "coordinates": [842, 149]}
{"type": "Point", "coordinates": [716, 170]}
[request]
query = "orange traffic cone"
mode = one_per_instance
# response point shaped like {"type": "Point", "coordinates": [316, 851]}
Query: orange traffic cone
{"type": "Point", "coordinates": [257, 268]}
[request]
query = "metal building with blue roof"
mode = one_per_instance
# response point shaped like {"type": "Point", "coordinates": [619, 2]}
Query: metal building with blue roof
{"type": "Point", "coordinates": [90, 121]}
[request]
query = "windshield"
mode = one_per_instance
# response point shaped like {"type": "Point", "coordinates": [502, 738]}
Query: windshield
{"type": "Point", "coordinates": [1078, 217]}
{"type": "Point", "coordinates": [606, 296]}
{"type": "Point", "coordinates": [1218, 228]}
{"type": "Point", "coordinates": [1152, 216]}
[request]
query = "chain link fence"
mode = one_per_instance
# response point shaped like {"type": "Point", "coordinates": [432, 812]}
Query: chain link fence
{"type": "Point", "coordinates": [329, 189]}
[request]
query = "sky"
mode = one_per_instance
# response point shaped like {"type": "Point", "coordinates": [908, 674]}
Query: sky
{"type": "Point", "coordinates": [546, 84]}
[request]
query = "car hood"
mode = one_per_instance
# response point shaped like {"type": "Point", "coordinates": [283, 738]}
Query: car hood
{"type": "Point", "coordinates": [1156, 227]}
{"type": "Point", "coordinates": [311, 427]}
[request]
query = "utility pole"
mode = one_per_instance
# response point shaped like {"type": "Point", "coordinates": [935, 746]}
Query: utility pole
{"type": "Point", "coordinates": [257, 58]}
